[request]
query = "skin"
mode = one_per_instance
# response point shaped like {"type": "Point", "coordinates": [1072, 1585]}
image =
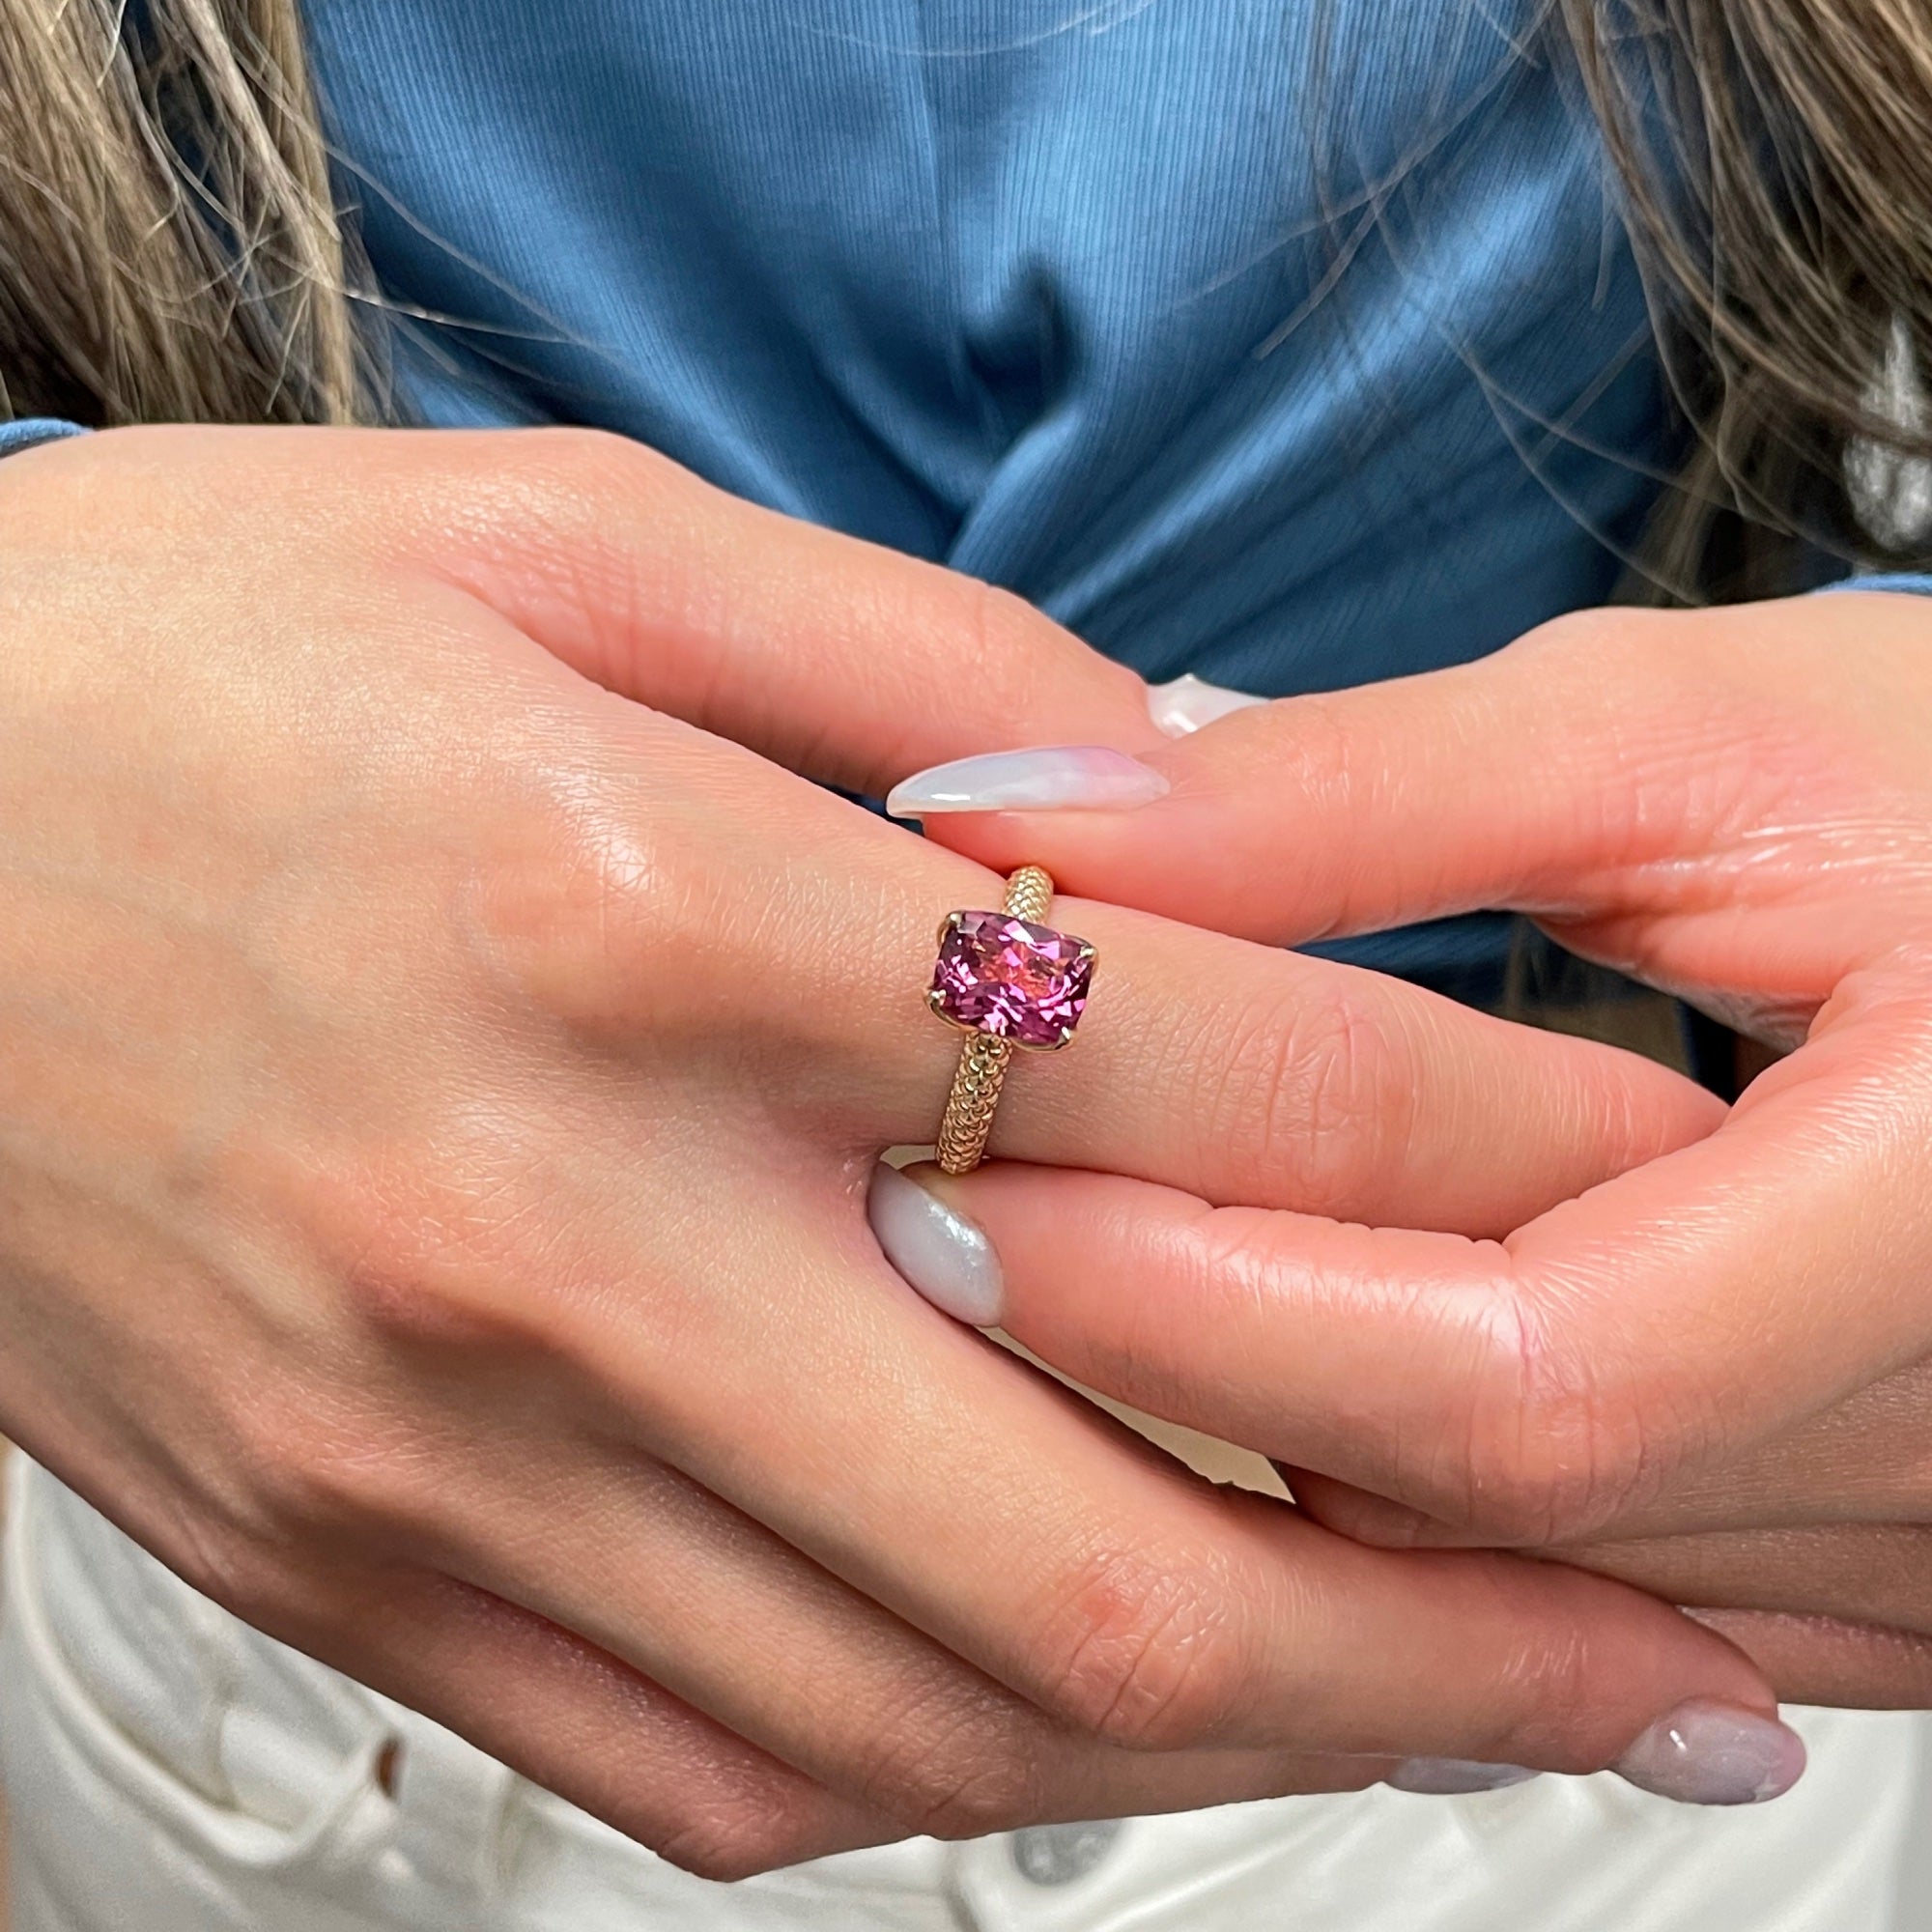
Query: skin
{"type": "Point", "coordinates": [1711, 1375]}
{"type": "Point", "coordinates": [444, 1046]}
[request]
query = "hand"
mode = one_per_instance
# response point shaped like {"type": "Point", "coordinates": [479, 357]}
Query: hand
{"type": "Point", "coordinates": [437, 1099]}
{"type": "Point", "coordinates": [1711, 1375]}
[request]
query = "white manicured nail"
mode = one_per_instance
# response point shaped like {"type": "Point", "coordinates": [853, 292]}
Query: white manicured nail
{"type": "Point", "coordinates": [1711, 1753]}
{"type": "Point", "coordinates": [1446, 1776]}
{"type": "Point", "coordinates": [942, 1254]}
{"type": "Point", "coordinates": [1050, 778]}
{"type": "Point", "coordinates": [1456, 1776]}
{"type": "Point", "coordinates": [1189, 702]}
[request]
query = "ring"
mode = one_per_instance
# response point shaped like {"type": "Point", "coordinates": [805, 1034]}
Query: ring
{"type": "Point", "coordinates": [1009, 982]}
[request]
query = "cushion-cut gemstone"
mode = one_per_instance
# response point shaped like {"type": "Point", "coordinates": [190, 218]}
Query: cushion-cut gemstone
{"type": "Point", "coordinates": [1000, 975]}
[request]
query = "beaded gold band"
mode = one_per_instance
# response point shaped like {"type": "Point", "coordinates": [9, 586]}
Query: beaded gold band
{"type": "Point", "coordinates": [969, 1108]}
{"type": "Point", "coordinates": [1011, 982]}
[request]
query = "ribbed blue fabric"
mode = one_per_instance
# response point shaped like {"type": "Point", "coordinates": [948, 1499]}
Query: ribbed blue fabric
{"type": "Point", "coordinates": [1041, 288]}
{"type": "Point", "coordinates": [1888, 580]}
{"type": "Point", "coordinates": [31, 429]}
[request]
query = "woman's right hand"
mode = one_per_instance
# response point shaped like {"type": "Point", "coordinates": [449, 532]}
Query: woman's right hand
{"type": "Point", "coordinates": [437, 1099]}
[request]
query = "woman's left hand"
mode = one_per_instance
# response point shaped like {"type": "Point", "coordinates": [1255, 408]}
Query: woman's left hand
{"type": "Point", "coordinates": [1713, 1375]}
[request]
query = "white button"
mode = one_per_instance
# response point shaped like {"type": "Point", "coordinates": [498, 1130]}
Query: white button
{"type": "Point", "coordinates": [1061, 1854]}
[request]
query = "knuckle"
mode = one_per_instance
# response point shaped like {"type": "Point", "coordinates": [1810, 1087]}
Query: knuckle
{"type": "Point", "coordinates": [1603, 651]}
{"type": "Point", "coordinates": [310, 1470]}
{"type": "Point", "coordinates": [1321, 757]}
{"type": "Point", "coordinates": [564, 500]}
{"type": "Point", "coordinates": [1008, 643]}
{"type": "Point", "coordinates": [1006, 624]}
{"type": "Point", "coordinates": [727, 1841]}
{"type": "Point", "coordinates": [578, 468]}
{"type": "Point", "coordinates": [1556, 1447]}
{"type": "Point", "coordinates": [962, 1774]}
{"type": "Point", "coordinates": [447, 1238]}
{"type": "Point", "coordinates": [1149, 1654]}
{"type": "Point", "coordinates": [324, 1464]}
{"type": "Point", "coordinates": [1560, 1675]}
{"type": "Point", "coordinates": [1308, 1099]}
{"type": "Point", "coordinates": [1590, 630]}
{"type": "Point", "coordinates": [955, 1798]}
{"type": "Point", "coordinates": [587, 921]}
{"type": "Point", "coordinates": [1027, 665]}
{"type": "Point", "coordinates": [1019, 644]}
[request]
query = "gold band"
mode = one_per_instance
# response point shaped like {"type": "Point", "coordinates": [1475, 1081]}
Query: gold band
{"type": "Point", "coordinates": [982, 1060]}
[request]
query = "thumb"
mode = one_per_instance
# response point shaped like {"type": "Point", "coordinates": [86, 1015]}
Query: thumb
{"type": "Point", "coordinates": [1541, 780]}
{"type": "Point", "coordinates": [843, 660]}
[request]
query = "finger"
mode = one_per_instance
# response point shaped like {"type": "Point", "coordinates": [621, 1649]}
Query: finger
{"type": "Point", "coordinates": [1233, 1069]}
{"type": "Point", "coordinates": [1492, 783]}
{"type": "Point", "coordinates": [1133, 1603]}
{"type": "Point", "coordinates": [1817, 1660]}
{"type": "Point", "coordinates": [1570, 776]}
{"type": "Point", "coordinates": [576, 1721]}
{"type": "Point", "coordinates": [1539, 1389]}
{"type": "Point", "coordinates": [1860, 1461]}
{"type": "Point", "coordinates": [720, 1613]}
{"type": "Point", "coordinates": [797, 1379]}
{"type": "Point", "coordinates": [1834, 1614]}
{"type": "Point", "coordinates": [1247, 1074]}
{"type": "Point", "coordinates": [1872, 1574]}
{"type": "Point", "coordinates": [1206, 1316]}
{"type": "Point", "coordinates": [839, 657]}
{"type": "Point", "coordinates": [1838, 1613]}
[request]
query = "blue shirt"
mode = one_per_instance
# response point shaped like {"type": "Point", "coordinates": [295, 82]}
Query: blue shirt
{"type": "Point", "coordinates": [1088, 298]}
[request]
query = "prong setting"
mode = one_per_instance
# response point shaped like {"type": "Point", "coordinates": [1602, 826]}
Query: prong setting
{"type": "Point", "coordinates": [1000, 975]}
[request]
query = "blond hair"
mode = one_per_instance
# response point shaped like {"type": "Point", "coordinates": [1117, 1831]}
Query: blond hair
{"type": "Point", "coordinates": [169, 247]}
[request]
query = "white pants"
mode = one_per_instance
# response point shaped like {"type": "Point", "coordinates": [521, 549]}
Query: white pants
{"type": "Point", "coordinates": [171, 1770]}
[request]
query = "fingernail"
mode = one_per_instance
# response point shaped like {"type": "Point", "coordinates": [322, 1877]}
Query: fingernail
{"type": "Point", "coordinates": [942, 1254]}
{"type": "Point", "coordinates": [1051, 778]}
{"type": "Point", "coordinates": [1711, 1753]}
{"type": "Point", "coordinates": [1189, 702]}
{"type": "Point", "coordinates": [1444, 1776]}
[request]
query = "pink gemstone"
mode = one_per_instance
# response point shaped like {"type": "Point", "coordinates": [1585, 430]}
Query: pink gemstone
{"type": "Point", "coordinates": [1004, 975]}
